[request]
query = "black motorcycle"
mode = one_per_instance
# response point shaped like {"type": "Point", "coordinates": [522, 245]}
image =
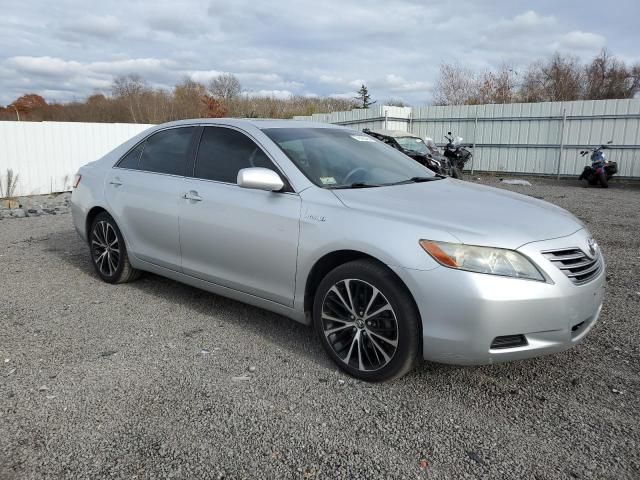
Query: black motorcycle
{"type": "Point", "coordinates": [457, 154]}
{"type": "Point", "coordinates": [600, 171]}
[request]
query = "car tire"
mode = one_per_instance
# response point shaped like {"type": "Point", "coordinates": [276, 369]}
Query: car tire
{"type": "Point", "coordinates": [379, 339]}
{"type": "Point", "coordinates": [109, 252]}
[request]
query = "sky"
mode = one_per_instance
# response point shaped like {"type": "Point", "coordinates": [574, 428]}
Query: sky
{"type": "Point", "coordinates": [65, 50]}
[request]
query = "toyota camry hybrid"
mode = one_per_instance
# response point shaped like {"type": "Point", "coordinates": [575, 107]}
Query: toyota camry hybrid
{"type": "Point", "coordinates": [389, 262]}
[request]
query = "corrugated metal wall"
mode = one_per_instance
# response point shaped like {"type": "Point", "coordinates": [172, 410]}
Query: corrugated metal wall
{"type": "Point", "coordinates": [521, 137]}
{"type": "Point", "coordinates": [46, 155]}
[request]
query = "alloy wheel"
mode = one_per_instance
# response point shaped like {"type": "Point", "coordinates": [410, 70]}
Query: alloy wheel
{"type": "Point", "coordinates": [360, 324]}
{"type": "Point", "coordinates": [105, 248]}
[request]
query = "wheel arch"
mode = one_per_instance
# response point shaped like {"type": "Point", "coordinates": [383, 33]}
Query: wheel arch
{"type": "Point", "coordinates": [334, 259]}
{"type": "Point", "coordinates": [91, 215]}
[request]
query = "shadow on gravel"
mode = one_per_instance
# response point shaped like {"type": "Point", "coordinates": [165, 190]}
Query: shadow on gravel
{"type": "Point", "coordinates": [279, 330]}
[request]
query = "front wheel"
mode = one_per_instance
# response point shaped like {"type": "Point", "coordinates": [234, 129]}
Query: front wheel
{"type": "Point", "coordinates": [367, 321]}
{"type": "Point", "coordinates": [109, 252]}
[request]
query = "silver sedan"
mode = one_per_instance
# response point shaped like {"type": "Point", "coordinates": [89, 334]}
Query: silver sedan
{"type": "Point", "coordinates": [332, 228]}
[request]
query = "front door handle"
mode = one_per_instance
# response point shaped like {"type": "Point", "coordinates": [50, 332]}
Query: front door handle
{"type": "Point", "coordinates": [193, 196]}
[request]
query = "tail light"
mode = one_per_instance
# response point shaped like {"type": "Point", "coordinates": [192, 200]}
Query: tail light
{"type": "Point", "coordinates": [76, 180]}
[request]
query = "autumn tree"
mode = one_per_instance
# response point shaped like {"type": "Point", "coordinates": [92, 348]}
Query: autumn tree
{"type": "Point", "coordinates": [188, 99]}
{"type": "Point", "coordinates": [26, 104]}
{"type": "Point", "coordinates": [364, 98]}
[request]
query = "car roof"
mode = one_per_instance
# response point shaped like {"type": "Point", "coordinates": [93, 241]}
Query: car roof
{"type": "Point", "coordinates": [394, 133]}
{"type": "Point", "coordinates": [261, 123]}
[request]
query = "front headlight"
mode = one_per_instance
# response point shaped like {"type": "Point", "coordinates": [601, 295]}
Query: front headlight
{"type": "Point", "coordinates": [494, 261]}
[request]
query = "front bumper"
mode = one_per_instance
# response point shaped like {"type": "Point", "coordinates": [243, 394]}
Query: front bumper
{"type": "Point", "coordinates": [463, 312]}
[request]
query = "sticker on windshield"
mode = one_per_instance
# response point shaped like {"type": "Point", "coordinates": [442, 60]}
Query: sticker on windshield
{"type": "Point", "coordinates": [362, 138]}
{"type": "Point", "coordinates": [328, 180]}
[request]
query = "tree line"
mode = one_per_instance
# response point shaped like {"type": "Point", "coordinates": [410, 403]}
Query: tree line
{"type": "Point", "coordinates": [558, 78]}
{"type": "Point", "coordinates": [133, 100]}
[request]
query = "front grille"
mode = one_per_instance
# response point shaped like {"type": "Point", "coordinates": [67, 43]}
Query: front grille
{"type": "Point", "coordinates": [509, 341]}
{"type": "Point", "coordinates": [575, 264]}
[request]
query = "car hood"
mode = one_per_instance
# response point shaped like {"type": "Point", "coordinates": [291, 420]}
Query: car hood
{"type": "Point", "coordinates": [475, 214]}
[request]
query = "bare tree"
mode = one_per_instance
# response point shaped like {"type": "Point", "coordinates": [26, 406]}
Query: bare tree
{"type": "Point", "coordinates": [558, 79]}
{"type": "Point", "coordinates": [395, 102]}
{"type": "Point", "coordinates": [130, 89]}
{"type": "Point", "coordinates": [225, 87]}
{"type": "Point", "coordinates": [608, 77]}
{"type": "Point", "coordinates": [456, 85]}
{"type": "Point", "coordinates": [495, 87]}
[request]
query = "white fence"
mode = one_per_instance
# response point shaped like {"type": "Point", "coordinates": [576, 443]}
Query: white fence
{"type": "Point", "coordinates": [538, 138]}
{"type": "Point", "coordinates": [46, 155]}
{"type": "Point", "coordinates": [527, 138]}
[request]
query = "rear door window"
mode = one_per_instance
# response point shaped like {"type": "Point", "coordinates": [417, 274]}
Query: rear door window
{"type": "Point", "coordinates": [132, 159]}
{"type": "Point", "coordinates": [167, 151]}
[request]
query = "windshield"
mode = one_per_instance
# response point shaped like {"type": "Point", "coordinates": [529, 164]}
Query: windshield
{"type": "Point", "coordinates": [334, 158]}
{"type": "Point", "coordinates": [412, 143]}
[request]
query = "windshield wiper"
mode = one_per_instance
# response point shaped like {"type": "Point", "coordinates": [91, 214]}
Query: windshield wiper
{"type": "Point", "coordinates": [358, 185]}
{"type": "Point", "coordinates": [437, 176]}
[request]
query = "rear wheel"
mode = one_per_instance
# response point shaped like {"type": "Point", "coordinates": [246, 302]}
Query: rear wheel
{"type": "Point", "coordinates": [604, 183]}
{"type": "Point", "coordinates": [367, 321]}
{"type": "Point", "coordinates": [109, 252]}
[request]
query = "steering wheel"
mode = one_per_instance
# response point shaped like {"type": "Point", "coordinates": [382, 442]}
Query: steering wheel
{"type": "Point", "coordinates": [347, 177]}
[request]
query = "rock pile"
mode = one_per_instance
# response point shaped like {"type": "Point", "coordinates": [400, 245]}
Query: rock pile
{"type": "Point", "coordinates": [36, 205]}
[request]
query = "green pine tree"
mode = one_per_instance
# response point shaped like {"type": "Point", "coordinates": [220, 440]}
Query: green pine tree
{"type": "Point", "coordinates": [364, 98]}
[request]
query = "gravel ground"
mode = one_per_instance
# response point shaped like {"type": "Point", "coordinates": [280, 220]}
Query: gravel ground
{"type": "Point", "coordinates": [138, 380]}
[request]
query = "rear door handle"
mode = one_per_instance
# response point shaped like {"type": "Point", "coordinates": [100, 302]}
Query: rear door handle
{"type": "Point", "coordinates": [115, 182]}
{"type": "Point", "coordinates": [193, 196]}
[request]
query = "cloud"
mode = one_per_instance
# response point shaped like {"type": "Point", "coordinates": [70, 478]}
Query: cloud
{"type": "Point", "coordinates": [102, 26]}
{"type": "Point", "coordinates": [43, 66]}
{"type": "Point", "coordinates": [290, 47]}
{"type": "Point", "coordinates": [578, 40]}
{"type": "Point", "coordinates": [531, 20]}
{"type": "Point", "coordinates": [174, 21]}
{"type": "Point", "coordinates": [270, 93]}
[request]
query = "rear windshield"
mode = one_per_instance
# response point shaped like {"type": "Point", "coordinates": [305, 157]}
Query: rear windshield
{"type": "Point", "coordinates": [332, 157]}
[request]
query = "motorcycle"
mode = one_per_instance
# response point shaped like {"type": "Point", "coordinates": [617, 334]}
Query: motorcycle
{"type": "Point", "coordinates": [457, 154]}
{"type": "Point", "coordinates": [600, 170]}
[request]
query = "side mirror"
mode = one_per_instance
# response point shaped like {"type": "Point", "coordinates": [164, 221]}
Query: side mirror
{"type": "Point", "coordinates": [260, 179]}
